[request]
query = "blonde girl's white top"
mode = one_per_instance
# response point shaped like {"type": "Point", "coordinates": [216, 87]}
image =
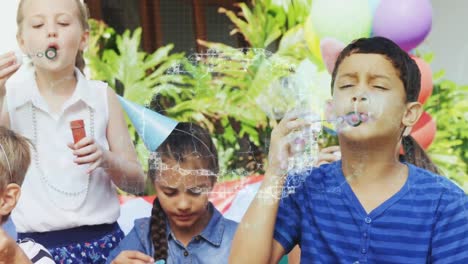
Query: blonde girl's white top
{"type": "Point", "coordinates": [41, 207]}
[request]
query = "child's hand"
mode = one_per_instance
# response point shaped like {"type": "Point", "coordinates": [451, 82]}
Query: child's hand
{"type": "Point", "coordinates": [280, 145]}
{"type": "Point", "coordinates": [8, 66]}
{"type": "Point", "coordinates": [133, 257]}
{"type": "Point", "coordinates": [10, 252]}
{"type": "Point", "coordinates": [88, 152]}
{"type": "Point", "coordinates": [329, 154]}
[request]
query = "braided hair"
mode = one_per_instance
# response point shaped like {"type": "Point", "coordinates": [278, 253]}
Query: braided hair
{"type": "Point", "coordinates": [158, 231]}
{"type": "Point", "coordinates": [187, 139]}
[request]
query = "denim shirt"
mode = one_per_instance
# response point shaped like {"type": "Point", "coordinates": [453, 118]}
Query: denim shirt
{"type": "Point", "coordinates": [212, 245]}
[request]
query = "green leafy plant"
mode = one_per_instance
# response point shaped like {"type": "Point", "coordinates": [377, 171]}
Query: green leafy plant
{"type": "Point", "coordinates": [221, 96]}
{"type": "Point", "coordinates": [447, 105]}
{"type": "Point", "coordinates": [296, 11]}
{"type": "Point", "coordinates": [225, 83]}
{"type": "Point", "coordinates": [140, 74]}
{"type": "Point", "coordinates": [131, 72]}
{"type": "Point", "coordinates": [262, 15]}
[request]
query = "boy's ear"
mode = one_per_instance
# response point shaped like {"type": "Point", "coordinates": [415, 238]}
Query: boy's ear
{"type": "Point", "coordinates": [9, 198]}
{"type": "Point", "coordinates": [412, 114]}
{"type": "Point", "coordinates": [330, 49]}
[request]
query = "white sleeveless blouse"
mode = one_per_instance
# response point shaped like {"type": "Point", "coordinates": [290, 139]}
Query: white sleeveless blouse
{"type": "Point", "coordinates": [60, 195]}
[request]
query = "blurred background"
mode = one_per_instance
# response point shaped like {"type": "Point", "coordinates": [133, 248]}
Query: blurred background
{"type": "Point", "coordinates": [175, 22]}
{"type": "Point", "coordinates": [223, 64]}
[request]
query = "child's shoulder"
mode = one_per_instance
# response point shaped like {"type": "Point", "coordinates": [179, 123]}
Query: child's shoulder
{"type": "Point", "coordinates": [222, 226]}
{"type": "Point", "coordinates": [94, 84]}
{"type": "Point", "coordinates": [140, 230]}
{"type": "Point", "coordinates": [433, 184]}
{"type": "Point", "coordinates": [229, 224]}
{"type": "Point", "coordinates": [142, 225]}
{"type": "Point", "coordinates": [218, 218]}
{"type": "Point", "coordinates": [325, 176]}
{"type": "Point", "coordinates": [90, 85]}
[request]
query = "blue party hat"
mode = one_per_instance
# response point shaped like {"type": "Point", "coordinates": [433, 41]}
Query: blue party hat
{"type": "Point", "coordinates": [153, 128]}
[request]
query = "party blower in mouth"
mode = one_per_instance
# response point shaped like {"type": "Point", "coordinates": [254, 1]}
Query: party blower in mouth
{"type": "Point", "coordinates": [50, 53]}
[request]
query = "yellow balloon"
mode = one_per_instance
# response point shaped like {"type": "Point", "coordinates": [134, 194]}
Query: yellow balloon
{"type": "Point", "coordinates": [344, 20]}
{"type": "Point", "coordinates": [312, 40]}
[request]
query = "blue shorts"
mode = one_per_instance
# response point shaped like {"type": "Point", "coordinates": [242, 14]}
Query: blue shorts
{"type": "Point", "coordinates": [80, 245]}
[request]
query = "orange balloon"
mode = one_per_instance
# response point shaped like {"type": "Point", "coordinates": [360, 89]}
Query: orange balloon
{"type": "Point", "coordinates": [426, 79]}
{"type": "Point", "coordinates": [424, 130]}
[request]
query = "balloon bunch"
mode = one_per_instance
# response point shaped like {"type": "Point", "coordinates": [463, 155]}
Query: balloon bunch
{"type": "Point", "coordinates": [405, 22]}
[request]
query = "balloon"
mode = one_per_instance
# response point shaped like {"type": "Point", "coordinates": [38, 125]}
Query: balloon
{"type": "Point", "coordinates": [424, 130]}
{"type": "Point", "coordinates": [373, 5]}
{"type": "Point", "coordinates": [345, 20]}
{"type": "Point", "coordinates": [311, 38]}
{"type": "Point", "coordinates": [152, 127]}
{"type": "Point", "coordinates": [426, 79]}
{"type": "Point", "coordinates": [406, 22]}
{"type": "Point", "coordinates": [330, 49]}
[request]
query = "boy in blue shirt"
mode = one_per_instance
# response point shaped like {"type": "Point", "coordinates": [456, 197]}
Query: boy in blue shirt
{"type": "Point", "coordinates": [372, 206]}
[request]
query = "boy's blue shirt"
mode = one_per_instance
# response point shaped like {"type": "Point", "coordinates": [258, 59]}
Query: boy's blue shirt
{"type": "Point", "coordinates": [425, 222]}
{"type": "Point", "coordinates": [211, 246]}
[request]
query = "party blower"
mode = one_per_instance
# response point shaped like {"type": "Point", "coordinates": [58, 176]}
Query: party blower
{"type": "Point", "coordinates": [50, 53]}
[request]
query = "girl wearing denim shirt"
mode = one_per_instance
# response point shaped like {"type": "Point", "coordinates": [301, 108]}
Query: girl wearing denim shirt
{"type": "Point", "coordinates": [184, 226]}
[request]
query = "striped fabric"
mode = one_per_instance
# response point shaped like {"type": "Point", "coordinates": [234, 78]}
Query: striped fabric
{"type": "Point", "coordinates": [425, 222]}
{"type": "Point", "coordinates": [36, 252]}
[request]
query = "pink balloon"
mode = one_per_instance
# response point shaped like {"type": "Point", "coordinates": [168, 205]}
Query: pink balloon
{"type": "Point", "coordinates": [426, 79]}
{"type": "Point", "coordinates": [406, 22]}
{"type": "Point", "coordinates": [330, 49]}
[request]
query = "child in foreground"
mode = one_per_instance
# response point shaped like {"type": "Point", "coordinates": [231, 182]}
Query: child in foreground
{"type": "Point", "coordinates": [372, 206]}
{"type": "Point", "coordinates": [69, 203]}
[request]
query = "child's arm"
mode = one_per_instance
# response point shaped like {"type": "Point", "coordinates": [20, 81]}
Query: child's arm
{"type": "Point", "coordinates": [120, 161]}
{"type": "Point", "coordinates": [253, 241]}
{"type": "Point", "coordinates": [450, 235]}
{"type": "Point", "coordinates": [10, 252]}
{"type": "Point", "coordinates": [8, 66]}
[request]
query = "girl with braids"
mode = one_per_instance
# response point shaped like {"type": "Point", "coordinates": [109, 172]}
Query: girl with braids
{"type": "Point", "coordinates": [184, 226]}
{"type": "Point", "coordinates": [370, 206]}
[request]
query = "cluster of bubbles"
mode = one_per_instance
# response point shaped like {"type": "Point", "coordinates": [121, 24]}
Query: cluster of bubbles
{"type": "Point", "coordinates": [304, 142]}
{"type": "Point", "coordinates": [230, 61]}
